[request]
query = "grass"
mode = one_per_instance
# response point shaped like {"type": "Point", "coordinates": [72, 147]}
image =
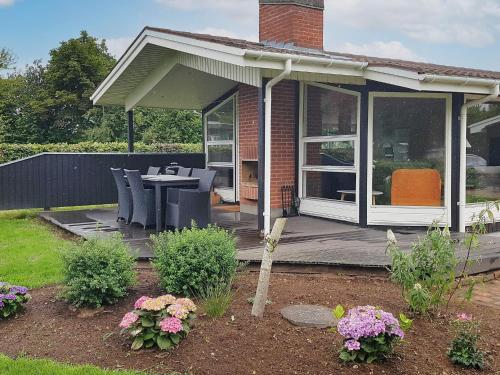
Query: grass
{"type": "Point", "coordinates": [29, 253]}
{"type": "Point", "coordinates": [28, 366]}
{"type": "Point", "coordinates": [215, 300]}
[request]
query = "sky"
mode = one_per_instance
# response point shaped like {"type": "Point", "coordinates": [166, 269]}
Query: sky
{"type": "Point", "coordinates": [453, 32]}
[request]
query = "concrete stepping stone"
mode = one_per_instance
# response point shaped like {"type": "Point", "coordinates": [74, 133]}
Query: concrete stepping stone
{"type": "Point", "coordinates": [310, 316]}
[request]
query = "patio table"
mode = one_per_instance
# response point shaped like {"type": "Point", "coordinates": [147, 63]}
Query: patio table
{"type": "Point", "coordinates": [160, 182]}
{"type": "Point", "coordinates": [343, 194]}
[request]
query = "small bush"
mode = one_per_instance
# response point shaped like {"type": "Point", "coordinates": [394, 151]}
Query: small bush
{"type": "Point", "coordinates": [463, 350]}
{"type": "Point", "coordinates": [426, 273]}
{"type": "Point", "coordinates": [163, 321]}
{"type": "Point", "coordinates": [98, 271]}
{"type": "Point", "coordinates": [369, 333]}
{"type": "Point", "coordinates": [216, 300]}
{"type": "Point", "coordinates": [190, 261]}
{"type": "Point", "coordinates": [12, 299]}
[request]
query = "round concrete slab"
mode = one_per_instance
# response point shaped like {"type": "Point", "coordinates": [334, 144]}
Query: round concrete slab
{"type": "Point", "coordinates": [310, 316]}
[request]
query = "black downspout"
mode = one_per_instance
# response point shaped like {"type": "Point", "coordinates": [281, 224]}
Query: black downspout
{"type": "Point", "coordinates": [457, 102]}
{"type": "Point", "coordinates": [130, 131]}
{"type": "Point", "coordinates": [363, 160]}
{"type": "Point", "coordinates": [261, 163]}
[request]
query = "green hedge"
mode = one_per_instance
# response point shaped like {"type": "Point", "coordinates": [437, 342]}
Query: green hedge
{"type": "Point", "coordinates": [9, 152]}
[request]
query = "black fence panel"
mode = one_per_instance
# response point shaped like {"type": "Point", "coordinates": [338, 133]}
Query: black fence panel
{"type": "Point", "coordinates": [75, 179]}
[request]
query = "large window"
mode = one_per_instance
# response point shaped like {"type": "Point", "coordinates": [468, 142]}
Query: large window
{"type": "Point", "coordinates": [329, 143]}
{"type": "Point", "coordinates": [409, 150]}
{"type": "Point", "coordinates": [220, 143]}
{"type": "Point", "coordinates": [483, 153]}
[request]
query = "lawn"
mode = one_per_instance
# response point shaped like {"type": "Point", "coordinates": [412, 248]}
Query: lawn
{"type": "Point", "coordinates": [29, 252]}
{"type": "Point", "coordinates": [24, 366]}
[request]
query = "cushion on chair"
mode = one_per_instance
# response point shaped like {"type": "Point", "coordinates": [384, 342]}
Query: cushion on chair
{"type": "Point", "coordinates": [416, 187]}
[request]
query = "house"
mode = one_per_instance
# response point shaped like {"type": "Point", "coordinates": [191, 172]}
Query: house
{"type": "Point", "coordinates": [371, 141]}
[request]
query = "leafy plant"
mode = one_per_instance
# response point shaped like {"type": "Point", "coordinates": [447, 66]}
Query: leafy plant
{"type": "Point", "coordinates": [370, 334]}
{"type": "Point", "coordinates": [216, 299]}
{"type": "Point", "coordinates": [12, 299]}
{"type": "Point", "coordinates": [163, 321]}
{"type": "Point", "coordinates": [98, 271]}
{"type": "Point", "coordinates": [195, 259]}
{"type": "Point", "coordinates": [464, 350]}
{"type": "Point", "coordinates": [426, 273]}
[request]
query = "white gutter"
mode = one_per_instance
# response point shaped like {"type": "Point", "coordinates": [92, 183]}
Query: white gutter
{"type": "Point", "coordinates": [328, 61]}
{"type": "Point", "coordinates": [495, 91]}
{"type": "Point", "coordinates": [267, 144]}
{"type": "Point", "coordinates": [459, 80]}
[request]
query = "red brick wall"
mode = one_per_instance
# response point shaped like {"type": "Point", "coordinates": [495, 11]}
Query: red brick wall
{"type": "Point", "coordinates": [300, 25]}
{"type": "Point", "coordinates": [283, 166]}
{"type": "Point", "coordinates": [284, 110]}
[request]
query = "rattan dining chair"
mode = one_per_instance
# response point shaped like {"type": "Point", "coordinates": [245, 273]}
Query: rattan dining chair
{"type": "Point", "coordinates": [143, 200]}
{"type": "Point", "coordinates": [125, 208]}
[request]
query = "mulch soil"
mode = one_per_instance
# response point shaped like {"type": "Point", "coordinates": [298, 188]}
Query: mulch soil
{"type": "Point", "coordinates": [238, 343]}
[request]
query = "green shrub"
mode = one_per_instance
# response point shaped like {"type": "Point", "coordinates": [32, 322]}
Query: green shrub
{"type": "Point", "coordinates": [10, 152]}
{"type": "Point", "coordinates": [190, 261]}
{"type": "Point", "coordinates": [426, 273]}
{"type": "Point", "coordinates": [98, 271]}
{"type": "Point", "coordinates": [464, 350]}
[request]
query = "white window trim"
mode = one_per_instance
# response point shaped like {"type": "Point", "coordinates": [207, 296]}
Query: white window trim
{"type": "Point", "coordinates": [473, 209]}
{"type": "Point", "coordinates": [410, 215]}
{"type": "Point", "coordinates": [228, 194]}
{"type": "Point", "coordinates": [328, 208]}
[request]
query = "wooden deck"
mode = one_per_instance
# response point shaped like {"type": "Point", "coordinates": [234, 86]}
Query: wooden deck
{"type": "Point", "coordinates": [306, 240]}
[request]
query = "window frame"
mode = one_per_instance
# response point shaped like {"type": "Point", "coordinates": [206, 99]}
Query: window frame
{"type": "Point", "coordinates": [410, 215]}
{"type": "Point", "coordinates": [228, 193]}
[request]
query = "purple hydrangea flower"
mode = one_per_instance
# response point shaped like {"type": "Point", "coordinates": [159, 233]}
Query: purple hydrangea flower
{"type": "Point", "coordinates": [367, 321]}
{"type": "Point", "coordinates": [352, 345]}
{"type": "Point", "coordinates": [10, 296]}
{"type": "Point", "coordinates": [18, 290]}
{"type": "Point", "coordinates": [1, 304]}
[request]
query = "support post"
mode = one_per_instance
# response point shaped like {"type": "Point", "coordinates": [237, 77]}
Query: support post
{"type": "Point", "coordinates": [130, 137]}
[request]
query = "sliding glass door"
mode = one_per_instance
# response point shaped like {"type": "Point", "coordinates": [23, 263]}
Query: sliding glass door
{"type": "Point", "coordinates": [329, 152]}
{"type": "Point", "coordinates": [220, 147]}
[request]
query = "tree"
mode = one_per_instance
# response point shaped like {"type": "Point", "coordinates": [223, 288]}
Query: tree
{"type": "Point", "coordinates": [7, 59]}
{"type": "Point", "coordinates": [74, 71]}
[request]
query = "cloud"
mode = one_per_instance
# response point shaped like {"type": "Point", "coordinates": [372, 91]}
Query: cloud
{"type": "Point", "coordinates": [467, 22]}
{"type": "Point", "coordinates": [393, 49]}
{"type": "Point", "coordinates": [6, 3]}
{"type": "Point", "coordinates": [117, 46]}
{"type": "Point", "coordinates": [240, 9]}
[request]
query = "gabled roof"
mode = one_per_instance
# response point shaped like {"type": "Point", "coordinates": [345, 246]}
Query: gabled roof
{"type": "Point", "coordinates": [413, 66]}
{"type": "Point", "coordinates": [479, 126]}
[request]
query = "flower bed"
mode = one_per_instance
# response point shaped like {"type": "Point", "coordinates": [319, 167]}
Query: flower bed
{"type": "Point", "coordinates": [162, 322]}
{"type": "Point", "coordinates": [12, 299]}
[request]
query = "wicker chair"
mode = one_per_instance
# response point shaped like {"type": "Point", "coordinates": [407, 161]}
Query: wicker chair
{"type": "Point", "coordinates": [184, 172]}
{"type": "Point", "coordinates": [153, 170]}
{"type": "Point", "coordinates": [143, 200]}
{"type": "Point", "coordinates": [186, 205]}
{"type": "Point", "coordinates": [125, 208]}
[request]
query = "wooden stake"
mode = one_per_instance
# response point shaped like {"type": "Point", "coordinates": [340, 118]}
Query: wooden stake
{"type": "Point", "coordinates": [272, 240]}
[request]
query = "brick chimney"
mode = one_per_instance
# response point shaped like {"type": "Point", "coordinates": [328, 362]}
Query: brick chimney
{"type": "Point", "coordinates": [292, 21]}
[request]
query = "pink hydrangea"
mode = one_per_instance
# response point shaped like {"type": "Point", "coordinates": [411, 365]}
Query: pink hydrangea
{"type": "Point", "coordinates": [187, 303]}
{"type": "Point", "coordinates": [140, 301]}
{"type": "Point", "coordinates": [129, 319]}
{"type": "Point", "coordinates": [178, 311]}
{"type": "Point", "coordinates": [171, 325]}
{"type": "Point", "coordinates": [464, 317]}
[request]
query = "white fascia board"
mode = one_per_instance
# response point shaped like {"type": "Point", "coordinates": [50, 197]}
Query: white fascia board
{"type": "Point", "coordinates": [149, 83]}
{"type": "Point", "coordinates": [479, 126]}
{"type": "Point", "coordinates": [419, 82]}
{"type": "Point", "coordinates": [304, 67]}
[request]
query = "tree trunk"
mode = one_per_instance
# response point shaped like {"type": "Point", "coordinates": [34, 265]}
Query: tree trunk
{"type": "Point", "coordinates": [260, 299]}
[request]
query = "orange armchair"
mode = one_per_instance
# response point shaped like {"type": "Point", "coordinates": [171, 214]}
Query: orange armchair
{"type": "Point", "coordinates": [416, 187]}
